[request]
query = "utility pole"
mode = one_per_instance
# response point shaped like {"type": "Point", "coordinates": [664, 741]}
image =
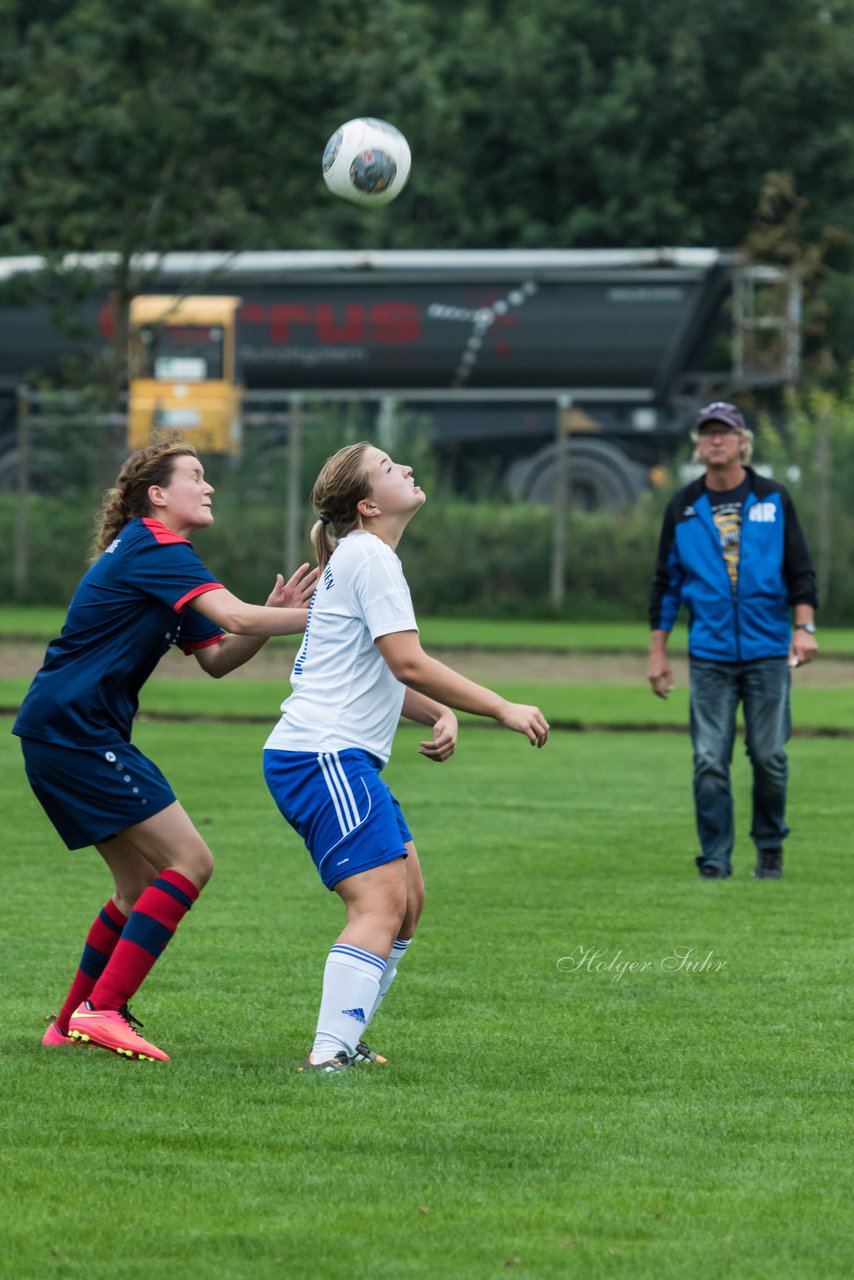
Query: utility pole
{"type": "Point", "coordinates": [293, 499]}
{"type": "Point", "coordinates": [824, 516]}
{"type": "Point", "coordinates": [560, 501]}
{"type": "Point", "coordinates": [22, 555]}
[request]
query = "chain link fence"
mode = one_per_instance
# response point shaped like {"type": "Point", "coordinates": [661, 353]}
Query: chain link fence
{"type": "Point", "coordinates": [475, 553]}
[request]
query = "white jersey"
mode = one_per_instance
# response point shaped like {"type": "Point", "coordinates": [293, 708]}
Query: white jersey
{"type": "Point", "coordinates": [344, 694]}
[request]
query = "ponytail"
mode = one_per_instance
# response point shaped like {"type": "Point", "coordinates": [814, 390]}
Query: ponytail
{"type": "Point", "coordinates": [323, 548]}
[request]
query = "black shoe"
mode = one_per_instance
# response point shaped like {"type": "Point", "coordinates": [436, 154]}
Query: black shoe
{"type": "Point", "coordinates": [364, 1053]}
{"type": "Point", "coordinates": [769, 864]}
{"type": "Point", "coordinates": [710, 872]}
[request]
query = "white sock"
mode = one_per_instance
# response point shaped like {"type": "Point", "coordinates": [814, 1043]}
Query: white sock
{"type": "Point", "coordinates": [351, 982]}
{"type": "Point", "coordinates": [398, 951]}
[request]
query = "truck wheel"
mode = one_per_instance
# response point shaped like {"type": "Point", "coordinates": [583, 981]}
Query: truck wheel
{"type": "Point", "coordinates": [517, 477]}
{"type": "Point", "coordinates": [600, 476]}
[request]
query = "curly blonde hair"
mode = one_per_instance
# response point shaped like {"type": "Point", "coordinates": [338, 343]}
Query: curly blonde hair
{"type": "Point", "coordinates": [129, 495]}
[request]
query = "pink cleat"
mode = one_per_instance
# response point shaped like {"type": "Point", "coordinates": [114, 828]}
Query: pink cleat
{"type": "Point", "coordinates": [53, 1038]}
{"type": "Point", "coordinates": [112, 1029]}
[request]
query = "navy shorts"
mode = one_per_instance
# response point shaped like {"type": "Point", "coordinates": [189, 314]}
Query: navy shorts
{"type": "Point", "coordinates": [339, 804]}
{"type": "Point", "coordinates": [92, 793]}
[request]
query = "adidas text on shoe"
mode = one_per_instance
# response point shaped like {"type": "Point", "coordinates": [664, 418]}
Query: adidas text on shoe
{"type": "Point", "coordinates": [364, 1053]}
{"type": "Point", "coordinates": [53, 1038]}
{"type": "Point", "coordinates": [329, 1065]}
{"type": "Point", "coordinates": [111, 1029]}
{"type": "Point", "coordinates": [769, 864]}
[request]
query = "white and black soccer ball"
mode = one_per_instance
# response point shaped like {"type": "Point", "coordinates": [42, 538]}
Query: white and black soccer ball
{"type": "Point", "coordinates": [367, 161]}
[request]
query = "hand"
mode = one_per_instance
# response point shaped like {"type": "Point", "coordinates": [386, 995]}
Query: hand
{"type": "Point", "coordinates": [659, 675]}
{"type": "Point", "coordinates": [296, 592]}
{"type": "Point", "coordinates": [527, 720]}
{"type": "Point", "coordinates": [444, 741]}
{"type": "Point", "coordinates": [803, 648]}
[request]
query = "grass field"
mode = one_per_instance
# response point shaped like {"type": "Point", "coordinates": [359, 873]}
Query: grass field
{"type": "Point", "coordinates": [546, 1109]}
{"type": "Point", "coordinates": [815, 710]}
{"type": "Point", "coordinates": [496, 633]}
{"type": "Point", "coordinates": [569, 702]}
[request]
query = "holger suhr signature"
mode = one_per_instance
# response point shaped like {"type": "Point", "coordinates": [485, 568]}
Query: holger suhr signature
{"type": "Point", "coordinates": [679, 959]}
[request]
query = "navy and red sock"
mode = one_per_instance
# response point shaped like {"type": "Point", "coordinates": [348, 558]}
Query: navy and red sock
{"type": "Point", "coordinates": [101, 942]}
{"type": "Point", "coordinates": [156, 915]}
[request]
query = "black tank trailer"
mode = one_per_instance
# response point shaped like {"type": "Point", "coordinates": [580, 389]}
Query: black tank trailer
{"type": "Point", "coordinates": [506, 355]}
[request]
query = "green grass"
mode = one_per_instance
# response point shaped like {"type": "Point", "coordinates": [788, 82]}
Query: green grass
{"type": "Point", "coordinates": [571, 705]}
{"type": "Point", "coordinates": [44, 623]}
{"type": "Point", "coordinates": [39, 622]}
{"type": "Point", "coordinates": [618, 637]}
{"type": "Point", "coordinates": [814, 709]}
{"type": "Point", "coordinates": [659, 1124]}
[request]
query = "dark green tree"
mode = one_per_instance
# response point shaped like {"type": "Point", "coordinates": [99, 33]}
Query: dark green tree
{"type": "Point", "coordinates": [200, 124]}
{"type": "Point", "coordinates": [566, 123]}
{"type": "Point", "coordinates": [139, 131]}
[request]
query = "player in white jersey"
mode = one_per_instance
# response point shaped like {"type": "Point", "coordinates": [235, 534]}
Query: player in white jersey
{"type": "Point", "coordinates": [361, 667]}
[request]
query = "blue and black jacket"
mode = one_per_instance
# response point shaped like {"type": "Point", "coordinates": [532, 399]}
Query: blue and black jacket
{"type": "Point", "coordinates": [774, 573]}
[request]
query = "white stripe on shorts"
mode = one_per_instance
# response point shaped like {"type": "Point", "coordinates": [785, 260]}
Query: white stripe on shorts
{"type": "Point", "coordinates": [344, 782]}
{"type": "Point", "coordinates": [346, 809]}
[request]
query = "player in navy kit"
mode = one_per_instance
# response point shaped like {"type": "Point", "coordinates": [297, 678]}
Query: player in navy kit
{"type": "Point", "coordinates": [146, 591]}
{"type": "Point", "coordinates": [360, 667]}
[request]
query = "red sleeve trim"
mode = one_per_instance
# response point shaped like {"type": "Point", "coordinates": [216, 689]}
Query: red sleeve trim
{"type": "Point", "coordinates": [201, 644]}
{"type": "Point", "coordinates": [161, 534]}
{"type": "Point", "coordinates": [196, 591]}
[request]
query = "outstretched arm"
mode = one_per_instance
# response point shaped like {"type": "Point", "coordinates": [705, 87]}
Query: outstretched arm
{"type": "Point", "coordinates": [417, 670]}
{"type": "Point", "coordinates": [287, 598]}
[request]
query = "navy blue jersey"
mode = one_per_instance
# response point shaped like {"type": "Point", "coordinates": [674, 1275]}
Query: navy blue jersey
{"type": "Point", "coordinates": [127, 610]}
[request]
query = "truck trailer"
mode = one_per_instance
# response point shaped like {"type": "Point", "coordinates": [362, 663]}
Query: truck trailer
{"type": "Point", "coordinates": [506, 357]}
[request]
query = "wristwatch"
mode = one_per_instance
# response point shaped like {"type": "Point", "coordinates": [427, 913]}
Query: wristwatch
{"type": "Point", "coordinates": [809, 627]}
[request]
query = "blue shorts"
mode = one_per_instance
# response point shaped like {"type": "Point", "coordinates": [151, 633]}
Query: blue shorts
{"type": "Point", "coordinates": [92, 793]}
{"type": "Point", "coordinates": [339, 804]}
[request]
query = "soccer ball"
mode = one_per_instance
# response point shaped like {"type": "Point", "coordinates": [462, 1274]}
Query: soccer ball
{"type": "Point", "coordinates": [367, 162]}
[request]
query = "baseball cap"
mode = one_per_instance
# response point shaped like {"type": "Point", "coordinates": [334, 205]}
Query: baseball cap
{"type": "Point", "coordinates": [721, 411]}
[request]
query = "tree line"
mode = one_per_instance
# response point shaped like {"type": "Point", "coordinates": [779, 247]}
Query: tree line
{"type": "Point", "coordinates": [200, 124]}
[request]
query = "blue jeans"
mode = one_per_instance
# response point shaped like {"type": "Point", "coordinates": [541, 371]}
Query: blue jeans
{"type": "Point", "coordinates": [716, 690]}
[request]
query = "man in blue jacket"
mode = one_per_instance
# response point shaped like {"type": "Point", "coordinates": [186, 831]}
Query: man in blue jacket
{"type": "Point", "coordinates": [733, 552]}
